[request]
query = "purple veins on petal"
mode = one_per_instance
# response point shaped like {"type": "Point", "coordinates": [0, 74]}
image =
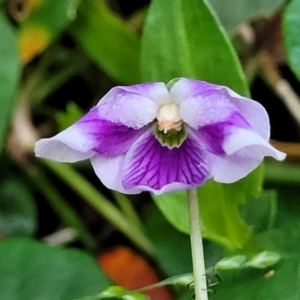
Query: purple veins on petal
{"type": "Point", "coordinates": [150, 166]}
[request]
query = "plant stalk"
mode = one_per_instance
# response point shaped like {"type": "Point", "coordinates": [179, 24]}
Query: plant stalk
{"type": "Point", "coordinates": [197, 246]}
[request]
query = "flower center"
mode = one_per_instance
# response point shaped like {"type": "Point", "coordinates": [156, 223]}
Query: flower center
{"type": "Point", "coordinates": [168, 117]}
{"type": "Point", "coordinates": [170, 129]}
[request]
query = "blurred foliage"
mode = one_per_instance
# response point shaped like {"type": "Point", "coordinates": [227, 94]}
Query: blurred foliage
{"type": "Point", "coordinates": [32, 270]}
{"type": "Point", "coordinates": [9, 73]}
{"type": "Point", "coordinates": [241, 11]}
{"type": "Point", "coordinates": [118, 56]}
{"type": "Point", "coordinates": [291, 29]}
{"type": "Point", "coordinates": [183, 47]}
{"type": "Point", "coordinates": [57, 58]}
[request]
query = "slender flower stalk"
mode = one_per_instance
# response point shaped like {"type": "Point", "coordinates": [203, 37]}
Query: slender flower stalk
{"type": "Point", "coordinates": [197, 246]}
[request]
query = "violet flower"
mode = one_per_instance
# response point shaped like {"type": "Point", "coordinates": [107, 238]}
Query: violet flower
{"type": "Point", "coordinates": [161, 138]}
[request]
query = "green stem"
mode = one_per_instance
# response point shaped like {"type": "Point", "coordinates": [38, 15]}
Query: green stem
{"type": "Point", "coordinates": [59, 205]}
{"type": "Point", "coordinates": [197, 246]}
{"type": "Point", "coordinates": [80, 185]}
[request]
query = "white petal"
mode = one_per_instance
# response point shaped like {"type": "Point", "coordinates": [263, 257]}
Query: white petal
{"type": "Point", "coordinates": [242, 138]}
{"type": "Point", "coordinates": [108, 169]}
{"type": "Point", "coordinates": [134, 106]}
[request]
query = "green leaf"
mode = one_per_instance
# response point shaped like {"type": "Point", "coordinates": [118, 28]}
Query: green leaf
{"type": "Point", "coordinates": [285, 239]}
{"type": "Point", "coordinates": [236, 12]}
{"type": "Point", "coordinates": [31, 270]}
{"type": "Point", "coordinates": [260, 212]}
{"type": "Point", "coordinates": [117, 293]}
{"type": "Point", "coordinates": [220, 215]}
{"type": "Point", "coordinates": [182, 38]}
{"type": "Point", "coordinates": [46, 22]}
{"type": "Point", "coordinates": [291, 33]}
{"type": "Point", "coordinates": [280, 282]}
{"type": "Point", "coordinates": [18, 214]}
{"type": "Point", "coordinates": [109, 42]}
{"type": "Point", "coordinates": [174, 207]}
{"type": "Point", "coordinates": [9, 73]}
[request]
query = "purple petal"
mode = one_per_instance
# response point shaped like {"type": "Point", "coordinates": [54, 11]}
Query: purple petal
{"type": "Point", "coordinates": [202, 103]}
{"type": "Point", "coordinates": [213, 135]}
{"type": "Point", "coordinates": [134, 106]}
{"type": "Point", "coordinates": [244, 152]}
{"type": "Point", "coordinates": [86, 137]}
{"type": "Point", "coordinates": [150, 166]}
{"type": "Point", "coordinates": [108, 169]}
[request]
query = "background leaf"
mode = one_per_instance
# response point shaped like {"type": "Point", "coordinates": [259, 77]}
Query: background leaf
{"type": "Point", "coordinates": [235, 12]}
{"type": "Point", "coordinates": [291, 33]}
{"type": "Point", "coordinates": [18, 214]}
{"type": "Point", "coordinates": [281, 282]}
{"type": "Point", "coordinates": [183, 39]}
{"type": "Point", "coordinates": [44, 23]}
{"type": "Point", "coordinates": [108, 41]}
{"type": "Point", "coordinates": [31, 270]}
{"type": "Point", "coordinates": [219, 210]}
{"type": "Point", "coordinates": [9, 73]}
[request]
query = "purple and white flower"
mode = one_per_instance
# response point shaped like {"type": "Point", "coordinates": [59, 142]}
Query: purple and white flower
{"type": "Point", "coordinates": [160, 138]}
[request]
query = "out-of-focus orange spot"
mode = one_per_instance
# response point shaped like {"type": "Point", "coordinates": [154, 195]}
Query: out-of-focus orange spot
{"type": "Point", "coordinates": [130, 270]}
{"type": "Point", "coordinates": [32, 41]}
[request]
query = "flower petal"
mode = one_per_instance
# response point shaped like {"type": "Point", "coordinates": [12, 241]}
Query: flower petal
{"type": "Point", "coordinates": [186, 88]}
{"type": "Point", "coordinates": [108, 169]}
{"type": "Point", "coordinates": [242, 138]}
{"type": "Point", "coordinates": [134, 106]}
{"type": "Point", "coordinates": [202, 103]}
{"type": "Point", "coordinates": [213, 135]}
{"type": "Point", "coordinates": [86, 137]}
{"type": "Point", "coordinates": [206, 108]}
{"type": "Point", "coordinates": [150, 166]}
{"type": "Point", "coordinates": [244, 152]}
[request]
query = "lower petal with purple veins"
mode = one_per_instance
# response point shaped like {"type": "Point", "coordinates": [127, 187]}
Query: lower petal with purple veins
{"type": "Point", "coordinates": [150, 166]}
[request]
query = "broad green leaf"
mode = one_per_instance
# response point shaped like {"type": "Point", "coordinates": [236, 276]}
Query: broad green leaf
{"type": "Point", "coordinates": [235, 12]}
{"type": "Point", "coordinates": [285, 239]}
{"type": "Point", "coordinates": [9, 73]}
{"type": "Point", "coordinates": [260, 211]}
{"type": "Point", "coordinates": [219, 209]}
{"type": "Point", "coordinates": [108, 41]}
{"type": "Point", "coordinates": [183, 38]}
{"type": "Point", "coordinates": [291, 33]}
{"type": "Point", "coordinates": [279, 282]}
{"type": "Point", "coordinates": [116, 293]}
{"type": "Point", "coordinates": [18, 214]}
{"type": "Point", "coordinates": [31, 270]}
{"type": "Point", "coordinates": [174, 208]}
{"type": "Point", "coordinates": [45, 22]}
